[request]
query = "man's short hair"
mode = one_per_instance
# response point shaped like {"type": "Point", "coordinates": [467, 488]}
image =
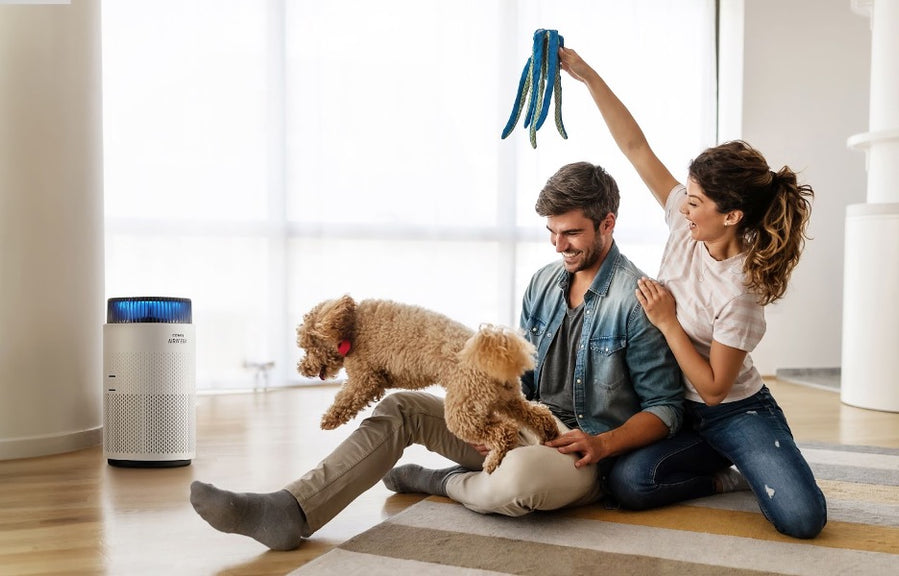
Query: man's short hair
{"type": "Point", "coordinates": [580, 185]}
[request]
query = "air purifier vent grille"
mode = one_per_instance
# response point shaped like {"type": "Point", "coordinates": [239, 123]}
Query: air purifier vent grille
{"type": "Point", "coordinates": [149, 424]}
{"type": "Point", "coordinates": [153, 372]}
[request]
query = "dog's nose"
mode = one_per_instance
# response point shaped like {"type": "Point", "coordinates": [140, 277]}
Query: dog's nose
{"type": "Point", "coordinates": [321, 374]}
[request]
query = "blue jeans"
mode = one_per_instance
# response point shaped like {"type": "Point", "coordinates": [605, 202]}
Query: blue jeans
{"type": "Point", "coordinates": [752, 434]}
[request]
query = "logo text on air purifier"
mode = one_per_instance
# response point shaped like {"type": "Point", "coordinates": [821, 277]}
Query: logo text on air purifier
{"type": "Point", "coordinates": [177, 339]}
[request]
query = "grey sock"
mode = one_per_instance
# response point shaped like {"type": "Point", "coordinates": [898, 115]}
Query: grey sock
{"type": "Point", "coordinates": [274, 519]}
{"type": "Point", "coordinates": [413, 478]}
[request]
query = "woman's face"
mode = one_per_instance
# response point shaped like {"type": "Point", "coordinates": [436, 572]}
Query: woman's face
{"type": "Point", "coordinates": [706, 222]}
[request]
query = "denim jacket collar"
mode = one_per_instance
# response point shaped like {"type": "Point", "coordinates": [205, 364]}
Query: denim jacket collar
{"type": "Point", "coordinates": [603, 278]}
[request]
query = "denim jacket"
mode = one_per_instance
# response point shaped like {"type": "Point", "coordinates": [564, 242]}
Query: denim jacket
{"type": "Point", "coordinates": [623, 363]}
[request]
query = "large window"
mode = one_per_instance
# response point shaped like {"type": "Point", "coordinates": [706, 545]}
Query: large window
{"type": "Point", "coordinates": [263, 156]}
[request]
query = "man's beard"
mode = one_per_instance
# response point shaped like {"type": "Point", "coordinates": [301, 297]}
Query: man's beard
{"type": "Point", "coordinates": [589, 257]}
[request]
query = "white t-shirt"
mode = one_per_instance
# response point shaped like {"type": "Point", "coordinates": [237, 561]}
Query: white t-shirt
{"type": "Point", "coordinates": [712, 301]}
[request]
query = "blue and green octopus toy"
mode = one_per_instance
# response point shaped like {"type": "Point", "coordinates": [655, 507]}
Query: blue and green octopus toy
{"type": "Point", "coordinates": [541, 71]}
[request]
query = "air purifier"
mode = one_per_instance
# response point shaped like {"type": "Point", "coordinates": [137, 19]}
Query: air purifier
{"type": "Point", "coordinates": [149, 382]}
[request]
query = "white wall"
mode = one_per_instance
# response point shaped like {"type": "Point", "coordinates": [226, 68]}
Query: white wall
{"type": "Point", "coordinates": [51, 229]}
{"type": "Point", "coordinates": [805, 90]}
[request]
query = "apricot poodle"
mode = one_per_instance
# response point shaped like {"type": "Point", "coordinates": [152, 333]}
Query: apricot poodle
{"type": "Point", "coordinates": [383, 344]}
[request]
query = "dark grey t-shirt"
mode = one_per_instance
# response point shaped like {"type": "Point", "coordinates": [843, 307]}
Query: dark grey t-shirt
{"type": "Point", "coordinates": [556, 380]}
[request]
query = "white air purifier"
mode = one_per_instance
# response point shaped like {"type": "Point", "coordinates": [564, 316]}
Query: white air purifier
{"type": "Point", "coordinates": [149, 382]}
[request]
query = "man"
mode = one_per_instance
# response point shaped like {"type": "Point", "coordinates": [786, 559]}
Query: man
{"type": "Point", "coordinates": [602, 368]}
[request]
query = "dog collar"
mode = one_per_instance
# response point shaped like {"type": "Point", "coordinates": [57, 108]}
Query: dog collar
{"type": "Point", "coordinates": [343, 347]}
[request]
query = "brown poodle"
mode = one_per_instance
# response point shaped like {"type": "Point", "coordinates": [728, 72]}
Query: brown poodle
{"type": "Point", "coordinates": [383, 344]}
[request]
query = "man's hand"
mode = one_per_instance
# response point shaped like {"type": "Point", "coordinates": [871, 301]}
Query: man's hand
{"type": "Point", "coordinates": [592, 449]}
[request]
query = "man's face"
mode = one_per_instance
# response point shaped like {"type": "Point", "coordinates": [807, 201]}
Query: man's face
{"type": "Point", "coordinates": [581, 246]}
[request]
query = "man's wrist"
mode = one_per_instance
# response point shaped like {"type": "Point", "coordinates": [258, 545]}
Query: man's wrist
{"type": "Point", "coordinates": [603, 443]}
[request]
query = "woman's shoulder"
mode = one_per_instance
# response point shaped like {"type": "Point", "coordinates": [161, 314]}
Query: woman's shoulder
{"type": "Point", "coordinates": [672, 205]}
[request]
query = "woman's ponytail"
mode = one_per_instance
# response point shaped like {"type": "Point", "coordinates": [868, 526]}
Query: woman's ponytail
{"type": "Point", "coordinates": [775, 207]}
{"type": "Point", "coordinates": [776, 241]}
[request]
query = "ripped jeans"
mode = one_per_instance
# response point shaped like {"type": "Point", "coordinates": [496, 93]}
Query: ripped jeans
{"type": "Point", "coordinates": [751, 434]}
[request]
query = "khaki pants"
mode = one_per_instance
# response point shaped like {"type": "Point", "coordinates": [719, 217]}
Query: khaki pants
{"type": "Point", "coordinates": [529, 478]}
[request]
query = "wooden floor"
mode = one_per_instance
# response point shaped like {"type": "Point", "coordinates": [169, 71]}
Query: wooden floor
{"type": "Point", "coordinates": [74, 514]}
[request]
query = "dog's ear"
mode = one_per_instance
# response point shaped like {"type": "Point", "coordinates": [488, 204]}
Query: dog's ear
{"type": "Point", "coordinates": [306, 331]}
{"type": "Point", "coordinates": [338, 320]}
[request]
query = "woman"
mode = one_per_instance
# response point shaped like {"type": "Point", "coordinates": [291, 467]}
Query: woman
{"type": "Point", "coordinates": [736, 232]}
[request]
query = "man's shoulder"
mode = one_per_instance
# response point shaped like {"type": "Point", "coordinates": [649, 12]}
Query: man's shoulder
{"type": "Point", "coordinates": [621, 292]}
{"type": "Point", "coordinates": [626, 272]}
{"type": "Point", "coordinates": [548, 274]}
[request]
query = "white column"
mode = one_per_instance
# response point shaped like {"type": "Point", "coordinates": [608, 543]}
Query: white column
{"type": "Point", "coordinates": [51, 228]}
{"type": "Point", "coordinates": [870, 362]}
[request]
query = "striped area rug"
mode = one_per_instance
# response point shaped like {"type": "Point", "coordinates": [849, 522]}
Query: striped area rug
{"type": "Point", "coordinates": [725, 534]}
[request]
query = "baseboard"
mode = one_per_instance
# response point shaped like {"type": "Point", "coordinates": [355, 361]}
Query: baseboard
{"type": "Point", "coordinates": [12, 449]}
{"type": "Point", "coordinates": [822, 378]}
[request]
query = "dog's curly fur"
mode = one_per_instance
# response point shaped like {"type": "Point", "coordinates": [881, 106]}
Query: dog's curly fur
{"type": "Point", "coordinates": [393, 345]}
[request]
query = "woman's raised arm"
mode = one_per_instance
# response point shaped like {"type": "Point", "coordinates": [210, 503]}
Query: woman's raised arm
{"type": "Point", "coordinates": [622, 126]}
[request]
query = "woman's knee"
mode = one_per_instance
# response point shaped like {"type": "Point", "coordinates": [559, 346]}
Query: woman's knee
{"type": "Point", "coordinates": [802, 518]}
{"type": "Point", "coordinates": [804, 526]}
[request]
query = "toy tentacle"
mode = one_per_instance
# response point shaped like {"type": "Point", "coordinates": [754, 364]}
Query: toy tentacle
{"type": "Point", "coordinates": [524, 85]}
{"type": "Point", "coordinates": [550, 65]}
{"type": "Point", "coordinates": [557, 82]}
{"type": "Point", "coordinates": [536, 67]}
{"type": "Point", "coordinates": [558, 111]}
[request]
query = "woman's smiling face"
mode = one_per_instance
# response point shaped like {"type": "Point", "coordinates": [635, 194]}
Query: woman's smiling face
{"type": "Point", "coordinates": [706, 222]}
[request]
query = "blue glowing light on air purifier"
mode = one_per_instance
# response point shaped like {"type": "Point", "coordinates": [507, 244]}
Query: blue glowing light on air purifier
{"type": "Point", "coordinates": [161, 310]}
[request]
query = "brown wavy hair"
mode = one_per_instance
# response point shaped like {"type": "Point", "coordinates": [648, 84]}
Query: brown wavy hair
{"type": "Point", "coordinates": [776, 211]}
{"type": "Point", "coordinates": [580, 185]}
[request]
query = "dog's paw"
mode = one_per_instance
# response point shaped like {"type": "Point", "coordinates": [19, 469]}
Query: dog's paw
{"type": "Point", "coordinates": [550, 430]}
{"type": "Point", "coordinates": [493, 461]}
{"type": "Point", "coordinates": [331, 421]}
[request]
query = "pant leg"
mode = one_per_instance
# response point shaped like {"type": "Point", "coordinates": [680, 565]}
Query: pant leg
{"type": "Point", "coordinates": [360, 461]}
{"type": "Point", "coordinates": [671, 470]}
{"type": "Point", "coordinates": [531, 477]}
{"type": "Point", "coordinates": [754, 434]}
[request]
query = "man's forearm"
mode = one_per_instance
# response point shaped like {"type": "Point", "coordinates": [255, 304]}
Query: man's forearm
{"type": "Point", "coordinates": [641, 429]}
